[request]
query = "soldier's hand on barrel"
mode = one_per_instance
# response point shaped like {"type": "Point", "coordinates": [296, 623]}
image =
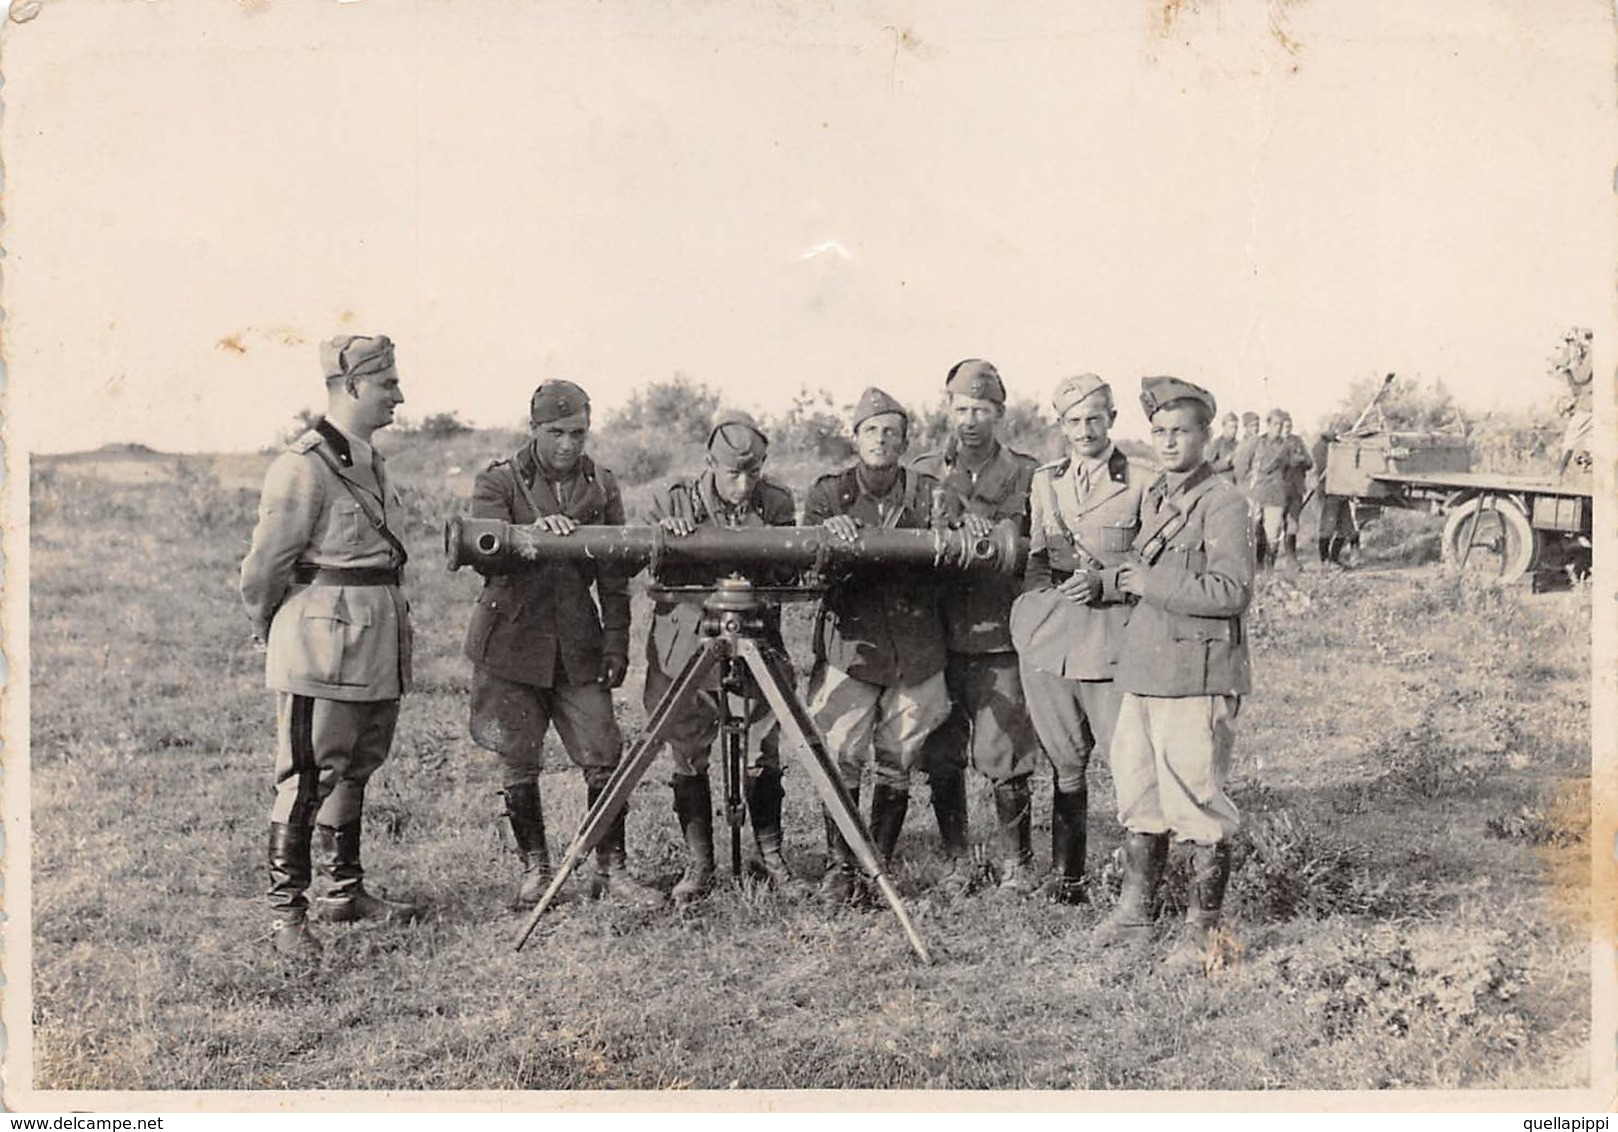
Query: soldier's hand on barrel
{"type": "Point", "coordinates": [1131, 580]}
{"type": "Point", "coordinates": [613, 671]}
{"type": "Point", "coordinates": [677, 525]}
{"type": "Point", "coordinates": [556, 524]}
{"type": "Point", "coordinates": [976, 526]}
{"type": "Point", "coordinates": [843, 527]}
{"type": "Point", "coordinates": [1082, 587]}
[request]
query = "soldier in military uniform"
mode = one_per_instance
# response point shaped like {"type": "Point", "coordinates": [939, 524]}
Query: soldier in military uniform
{"type": "Point", "coordinates": [1298, 464]}
{"type": "Point", "coordinates": [1182, 668]}
{"type": "Point", "coordinates": [321, 587]}
{"type": "Point", "coordinates": [1222, 452]}
{"type": "Point", "coordinates": [984, 483]}
{"type": "Point", "coordinates": [731, 493]}
{"type": "Point", "coordinates": [877, 686]}
{"type": "Point", "coordinates": [1336, 531]}
{"type": "Point", "coordinates": [1066, 629]}
{"type": "Point", "coordinates": [1267, 470]}
{"type": "Point", "coordinates": [1241, 467]}
{"type": "Point", "coordinates": [1576, 368]}
{"type": "Point", "coordinates": [542, 651]}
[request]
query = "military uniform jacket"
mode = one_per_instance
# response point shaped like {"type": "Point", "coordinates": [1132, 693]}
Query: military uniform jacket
{"type": "Point", "coordinates": [977, 607]}
{"type": "Point", "coordinates": [881, 627]}
{"type": "Point", "coordinates": [676, 625]}
{"type": "Point", "coordinates": [1185, 636]}
{"type": "Point", "coordinates": [1074, 529]}
{"type": "Point", "coordinates": [330, 642]}
{"type": "Point", "coordinates": [541, 626]}
{"type": "Point", "coordinates": [1298, 465]}
{"type": "Point", "coordinates": [1271, 469]}
{"type": "Point", "coordinates": [1222, 456]}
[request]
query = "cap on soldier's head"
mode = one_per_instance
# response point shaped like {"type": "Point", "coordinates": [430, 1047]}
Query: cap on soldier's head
{"type": "Point", "coordinates": [873, 402]}
{"type": "Point", "coordinates": [355, 355]}
{"type": "Point", "coordinates": [1232, 418]}
{"type": "Point", "coordinates": [554, 400]}
{"type": "Point", "coordinates": [736, 442]}
{"type": "Point", "coordinates": [1250, 417]}
{"type": "Point", "coordinates": [976, 378]}
{"type": "Point", "coordinates": [1156, 392]}
{"type": "Point", "coordinates": [1071, 390]}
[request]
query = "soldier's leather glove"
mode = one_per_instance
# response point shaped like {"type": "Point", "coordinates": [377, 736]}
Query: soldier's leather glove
{"type": "Point", "coordinates": [613, 671]}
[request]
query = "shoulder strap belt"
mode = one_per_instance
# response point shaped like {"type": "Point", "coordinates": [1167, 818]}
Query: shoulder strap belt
{"type": "Point", "coordinates": [378, 521]}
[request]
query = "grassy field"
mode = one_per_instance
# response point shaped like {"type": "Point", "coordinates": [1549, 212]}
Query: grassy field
{"type": "Point", "coordinates": [1410, 890]}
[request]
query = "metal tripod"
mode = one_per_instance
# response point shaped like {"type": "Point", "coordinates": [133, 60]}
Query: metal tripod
{"type": "Point", "coordinates": [732, 632]}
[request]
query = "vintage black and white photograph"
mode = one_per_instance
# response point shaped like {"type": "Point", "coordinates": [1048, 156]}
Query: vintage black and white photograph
{"type": "Point", "coordinates": [566, 549]}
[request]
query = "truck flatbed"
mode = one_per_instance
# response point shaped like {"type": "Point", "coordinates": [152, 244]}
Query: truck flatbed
{"type": "Point", "coordinates": [1491, 482]}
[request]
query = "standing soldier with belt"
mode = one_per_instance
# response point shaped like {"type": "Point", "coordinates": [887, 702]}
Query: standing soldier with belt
{"type": "Point", "coordinates": [984, 483]}
{"type": "Point", "coordinates": [321, 587]}
{"type": "Point", "coordinates": [1067, 630]}
{"type": "Point", "coordinates": [1183, 670]}
{"type": "Point", "coordinates": [732, 493]}
{"type": "Point", "coordinates": [541, 650]}
{"type": "Point", "coordinates": [877, 686]}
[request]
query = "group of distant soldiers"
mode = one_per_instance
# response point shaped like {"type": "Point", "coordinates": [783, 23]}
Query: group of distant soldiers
{"type": "Point", "coordinates": [1125, 634]}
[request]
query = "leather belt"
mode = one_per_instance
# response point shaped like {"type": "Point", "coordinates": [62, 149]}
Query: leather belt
{"type": "Point", "coordinates": [345, 576]}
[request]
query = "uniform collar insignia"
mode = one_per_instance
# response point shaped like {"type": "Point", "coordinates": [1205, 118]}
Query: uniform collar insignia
{"type": "Point", "coordinates": [333, 436]}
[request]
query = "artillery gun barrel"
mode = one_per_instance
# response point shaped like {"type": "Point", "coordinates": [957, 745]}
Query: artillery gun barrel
{"type": "Point", "coordinates": [495, 546]}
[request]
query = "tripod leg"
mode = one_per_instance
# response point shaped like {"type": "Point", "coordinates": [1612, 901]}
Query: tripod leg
{"type": "Point", "coordinates": [776, 686]}
{"type": "Point", "coordinates": [626, 776]}
{"type": "Point", "coordinates": [733, 747]}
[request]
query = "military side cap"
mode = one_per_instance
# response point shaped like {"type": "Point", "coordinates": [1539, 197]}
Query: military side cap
{"type": "Point", "coordinates": [1155, 392]}
{"type": "Point", "coordinates": [1071, 390]}
{"type": "Point", "coordinates": [1250, 416]}
{"type": "Point", "coordinates": [873, 402]}
{"type": "Point", "coordinates": [737, 443]}
{"type": "Point", "coordinates": [976, 378]}
{"type": "Point", "coordinates": [554, 400]}
{"type": "Point", "coordinates": [355, 355]}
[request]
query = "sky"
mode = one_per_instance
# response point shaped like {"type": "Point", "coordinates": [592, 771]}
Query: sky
{"type": "Point", "coordinates": [1271, 199]}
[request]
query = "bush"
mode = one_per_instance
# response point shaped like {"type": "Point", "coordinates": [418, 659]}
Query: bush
{"type": "Point", "coordinates": [441, 426]}
{"type": "Point", "coordinates": [813, 427]}
{"type": "Point", "coordinates": [680, 409]}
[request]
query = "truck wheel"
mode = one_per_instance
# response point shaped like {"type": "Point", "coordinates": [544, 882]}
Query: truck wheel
{"type": "Point", "coordinates": [1488, 536]}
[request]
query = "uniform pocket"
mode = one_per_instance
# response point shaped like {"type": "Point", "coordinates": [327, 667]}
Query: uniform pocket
{"type": "Point", "coordinates": [347, 522]}
{"type": "Point", "coordinates": [325, 636]}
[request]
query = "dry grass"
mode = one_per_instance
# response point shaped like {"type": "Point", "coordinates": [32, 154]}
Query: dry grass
{"type": "Point", "coordinates": [1414, 766]}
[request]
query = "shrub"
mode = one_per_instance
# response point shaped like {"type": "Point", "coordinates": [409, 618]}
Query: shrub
{"type": "Point", "coordinates": [441, 426]}
{"type": "Point", "coordinates": [813, 427]}
{"type": "Point", "coordinates": [679, 409]}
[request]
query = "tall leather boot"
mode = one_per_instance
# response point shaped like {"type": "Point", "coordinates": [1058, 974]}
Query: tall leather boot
{"type": "Point", "coordinates": [527, 819]}
{"type": "Point", "coordinates": [839, 885]}
{"type": "Point", "coordinates": [693, 803]}
{"type": "Point", "coordinates": [1130, 922]}
{"type": "Point", "coordinates": [888, 807]}
{"type": "Point", "coordinates": [1326, 549]}
{"type": "Point", "coordinates": [1290, 545]}
{"type": "Point", "coordinates": [1210, 874]}
{"type": "Point", "coordinates": [337, 848]}
{"type": "Point", "coordinates": [612, 876]}
{"type": "Point", "coordinates": [289, 879]}
{"type": "Point", "coordinates": [764, 797]}
{"type": "Point", "coordinates": [949, 806]}
{"type": "Point", "coordinates": [1013, 811]}
{"type": "Point", "coordinates": [1068, 833]}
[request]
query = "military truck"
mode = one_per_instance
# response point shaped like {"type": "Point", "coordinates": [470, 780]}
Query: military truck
{"type": "Point", "coordinates": [1497, 526]}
